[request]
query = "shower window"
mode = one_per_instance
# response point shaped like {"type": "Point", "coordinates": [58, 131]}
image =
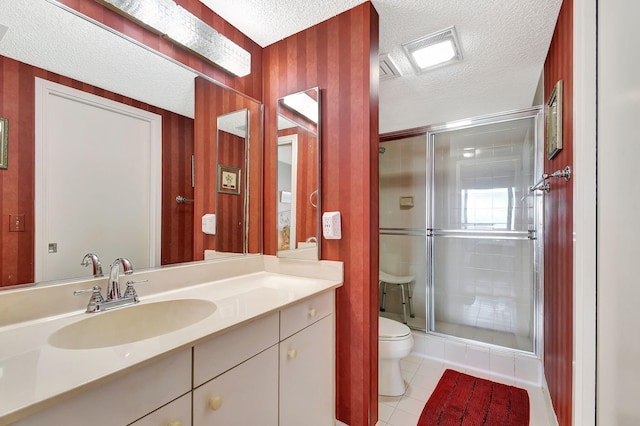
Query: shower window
{"type": "Point", "coordinates": [487, 208]}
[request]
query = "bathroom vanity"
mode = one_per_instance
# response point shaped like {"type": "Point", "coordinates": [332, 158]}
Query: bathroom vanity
{"type": "Point", "coordinates": [264, 355]}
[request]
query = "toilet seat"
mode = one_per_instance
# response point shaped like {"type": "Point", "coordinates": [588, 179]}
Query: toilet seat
{"type": "Point", "coordinates": [392, 330]}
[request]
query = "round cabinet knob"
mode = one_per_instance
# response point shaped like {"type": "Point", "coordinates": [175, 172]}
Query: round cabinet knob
{"type": "Point", "coordinates": [313, 312]}
{"type": "Point", "coordinates": [176, 423]}
{"type": "Point", "coordinates": [292, 353]}
{"type": "Point", "coordinates": [215, 402]}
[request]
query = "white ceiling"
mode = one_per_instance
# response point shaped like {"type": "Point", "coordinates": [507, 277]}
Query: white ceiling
{"type": "Point", "coordinates": [504, 44]}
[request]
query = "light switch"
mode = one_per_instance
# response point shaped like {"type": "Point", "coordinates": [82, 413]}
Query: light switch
{"type": "Point", "coordinates": [16, 222]}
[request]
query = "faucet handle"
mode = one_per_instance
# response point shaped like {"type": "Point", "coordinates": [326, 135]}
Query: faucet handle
{"type": "Point", "coordinates": [92, 259]}
{"type": "Point", "coordinates": [96, 298]}
{"type": "Point", "coordinates": [131, 292]}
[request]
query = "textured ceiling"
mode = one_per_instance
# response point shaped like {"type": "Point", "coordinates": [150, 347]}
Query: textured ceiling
{"type": "Point", "coordinates": [504, 44]}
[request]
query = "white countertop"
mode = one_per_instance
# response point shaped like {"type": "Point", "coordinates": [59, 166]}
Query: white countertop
{"type": "Point", "coordinates": [35, 374]}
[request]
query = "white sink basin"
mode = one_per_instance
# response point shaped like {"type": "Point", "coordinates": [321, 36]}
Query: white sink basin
{"type": "Point", "coordinates": [131, 324]}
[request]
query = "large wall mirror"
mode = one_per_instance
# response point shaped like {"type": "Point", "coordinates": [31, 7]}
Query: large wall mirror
{"type": "Point", "coordinates": [43, 39]}
{"type": "Point", "coordinates": [298, 218]}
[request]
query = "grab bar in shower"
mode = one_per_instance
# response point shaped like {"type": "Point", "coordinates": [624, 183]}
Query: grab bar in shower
{"type": "Point", "coordinates": [543, 185]}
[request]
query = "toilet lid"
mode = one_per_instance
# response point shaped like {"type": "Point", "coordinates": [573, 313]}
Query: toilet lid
{"type": "Point", "coordinates": [391, 330]}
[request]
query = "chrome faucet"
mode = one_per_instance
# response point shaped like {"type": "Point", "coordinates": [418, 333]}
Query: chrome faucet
{"type": "Point", "coordinates": [113, 286]}
{"type": "Point", "coordinates": [92, 259]}
{"type": "Point", "coordinates": [113, 297]}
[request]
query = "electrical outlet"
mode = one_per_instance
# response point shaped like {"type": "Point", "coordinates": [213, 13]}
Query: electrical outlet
{"type": "Point", "coordinates": [331, 226]}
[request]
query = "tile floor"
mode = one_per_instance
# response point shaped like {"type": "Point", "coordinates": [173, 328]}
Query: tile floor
{"type": "Point", "coordinates": [422, 375]}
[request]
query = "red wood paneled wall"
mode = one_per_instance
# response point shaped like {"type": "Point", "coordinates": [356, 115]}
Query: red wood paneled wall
{"type": "Point", "coordinates": [211, 101]}
{"type": "Point", "coordinates": [558, 225]}
{"type": "Point", "coordinates": [17, 103]}
{"type": "Point", "coordinates": [250, 85]}
{"type": "Point", "coordinates": [340, 56]}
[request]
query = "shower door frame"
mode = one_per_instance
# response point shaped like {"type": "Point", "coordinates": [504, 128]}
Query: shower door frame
{"type": "Point", "coordinates": [537, 114]}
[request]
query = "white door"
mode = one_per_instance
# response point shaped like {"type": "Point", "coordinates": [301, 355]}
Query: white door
{"type": "Point", "coordinates": [618, 204]}
{"type": "Point", "coordinates": [98, 180]}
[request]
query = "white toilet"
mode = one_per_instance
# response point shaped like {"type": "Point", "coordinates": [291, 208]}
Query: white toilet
{"type": "Point", "coordinates": [394, 343]}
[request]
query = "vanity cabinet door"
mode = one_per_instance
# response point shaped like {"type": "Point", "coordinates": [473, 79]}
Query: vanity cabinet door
{"type": "Point", "coordinates": [245, 395]}
{"type": "Point", "coordinates": [307, 376]}
{"type": "Point", "coordinates": [176, 413]}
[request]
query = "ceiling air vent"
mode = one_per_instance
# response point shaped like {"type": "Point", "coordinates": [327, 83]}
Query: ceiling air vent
{"type": "Point", "coordinates": [388, 69]}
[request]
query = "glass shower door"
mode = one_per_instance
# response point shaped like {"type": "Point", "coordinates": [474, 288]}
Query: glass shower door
{"type": "Point", "coordinates": [482, 233]}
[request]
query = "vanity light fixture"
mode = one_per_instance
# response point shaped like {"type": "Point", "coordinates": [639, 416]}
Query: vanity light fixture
{"type": "Point", "coordinates": [182, 27]}
{"type": "Point", "coordinates": [303, 104]}
{"type": "Point", "coordinates": [434, 50]}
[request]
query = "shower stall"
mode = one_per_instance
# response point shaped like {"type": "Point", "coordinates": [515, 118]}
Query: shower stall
{"type": "Point", "coordinates": [457, 216]}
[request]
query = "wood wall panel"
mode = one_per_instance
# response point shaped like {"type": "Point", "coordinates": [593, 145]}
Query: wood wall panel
{"type": "Point", "coordinates": [17, 182]}
{"type": "Point", "coordinates": [250, 85]}
{"type": "Point", "coordinates": [230, 209]}
{"type": "Point", "coordinates": [306, 185]}
{"type": "Point", "coordinates": [212, 101]}
{"type": "Point", "coordinates": [340, 56]}
{"type": "Point", "coordinates": [558, 233]}
{"type": "Point", "coordinates": [177, 219]}
{"type": "Point", "coordinates": [17, 103]}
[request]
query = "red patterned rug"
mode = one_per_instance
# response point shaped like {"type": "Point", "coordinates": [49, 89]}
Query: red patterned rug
{"type": "Point", "coordinates": [460, 399]}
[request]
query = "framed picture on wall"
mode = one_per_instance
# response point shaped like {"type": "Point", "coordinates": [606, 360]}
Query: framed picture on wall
{"type": "Point", "coordinates": [228, 180]}
{"type": "Point", "coordinates": [554, 121]}
{"type": "Point", "coordinates": [4, 143]}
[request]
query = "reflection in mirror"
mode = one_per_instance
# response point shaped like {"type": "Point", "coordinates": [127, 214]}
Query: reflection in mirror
{"type": "Point", "coordinates": [298, 191]}
{"type": "Point", "coordinates": [231, 198]}
{"type": "Point", "coordinates": [102, 63]}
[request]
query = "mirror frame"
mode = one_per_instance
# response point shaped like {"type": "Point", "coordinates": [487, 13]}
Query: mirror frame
{"type": "Point", "coordinates": [297, 253]}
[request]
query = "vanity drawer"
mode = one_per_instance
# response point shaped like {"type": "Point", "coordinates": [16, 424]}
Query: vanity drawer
{"type": "Point", "coordinates": [214, 357]}
{"type": "Point", "coordinates": [123, 400]}
{"type": "Point", "coordinates": [303, 314]}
